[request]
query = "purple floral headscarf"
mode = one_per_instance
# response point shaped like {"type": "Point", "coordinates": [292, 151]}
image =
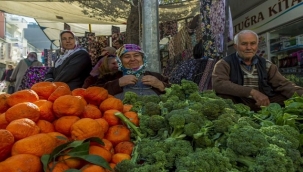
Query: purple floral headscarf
{"type": "Point", "coordinates": [131, 48]}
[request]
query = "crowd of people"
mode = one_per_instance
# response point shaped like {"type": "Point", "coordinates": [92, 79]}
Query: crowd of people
{"type": "Point", "coordinates": [242, 76]}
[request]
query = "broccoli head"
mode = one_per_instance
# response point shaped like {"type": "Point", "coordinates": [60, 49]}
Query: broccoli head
{"type": "Point", "coordinates": [246, 141]}
{"type": "Point", "coordinates": [130, 98]}
{"type": "Point", "coordinates": [209, 159]}
{"type": "Point", "coordinates": [151, 108]}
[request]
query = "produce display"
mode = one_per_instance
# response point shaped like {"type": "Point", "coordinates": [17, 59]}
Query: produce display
{"type": "Point", "coordinates": [51, 128]}
{"type": "Point", "coordinates": [188, 131]}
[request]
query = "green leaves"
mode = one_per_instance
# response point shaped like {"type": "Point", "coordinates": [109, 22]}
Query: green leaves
{"type": "Point", "coordinates": [75, 149]}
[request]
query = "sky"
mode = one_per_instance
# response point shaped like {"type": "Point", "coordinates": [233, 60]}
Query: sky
{"type": "Point", "coordinates": [29, 19]}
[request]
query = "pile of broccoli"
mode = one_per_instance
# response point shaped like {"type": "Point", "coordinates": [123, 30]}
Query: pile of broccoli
{"type": "Point", "coordinates": [185, 130]}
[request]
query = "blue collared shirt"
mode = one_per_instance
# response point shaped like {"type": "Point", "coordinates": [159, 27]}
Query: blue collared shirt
{"type": "Point", "coordinates": [248, 67]}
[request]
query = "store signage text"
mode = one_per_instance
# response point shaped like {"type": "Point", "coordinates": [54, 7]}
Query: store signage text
{"type": "Point", "coordinates": [270, 10]}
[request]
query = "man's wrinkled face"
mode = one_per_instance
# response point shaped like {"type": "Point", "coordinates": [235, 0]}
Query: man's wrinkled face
{"type": "Point", "coordinates": [247, 46]}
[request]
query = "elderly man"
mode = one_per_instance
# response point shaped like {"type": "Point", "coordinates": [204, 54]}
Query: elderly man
{"type": "Point", "coordinates": [247, 78]}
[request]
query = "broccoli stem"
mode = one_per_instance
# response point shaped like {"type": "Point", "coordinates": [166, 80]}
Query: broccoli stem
{"type": "Point", "coordinates": [129, 124]}
{"type": "Point", "coordinates": [247, 161]}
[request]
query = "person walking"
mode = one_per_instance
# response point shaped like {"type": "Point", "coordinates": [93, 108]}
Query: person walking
{"type": "Point", "coordinates": [23, 65]}
{"type": "Point", "coordinates": [6, 77]}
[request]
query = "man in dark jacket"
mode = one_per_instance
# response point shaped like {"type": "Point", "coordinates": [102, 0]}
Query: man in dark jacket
{"type": "Point", "coordinates": [247, 78]}
{"type": "Point", "coordinates": [6, 77]}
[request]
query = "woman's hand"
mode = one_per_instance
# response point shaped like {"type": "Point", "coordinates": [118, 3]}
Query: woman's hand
{"type": "Point", "coordinates": [127, 80]}
{"type": "Point", "coordinates": [153, 81]}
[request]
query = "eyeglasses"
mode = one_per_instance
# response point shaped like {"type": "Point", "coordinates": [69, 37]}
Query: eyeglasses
{"type": "Point", "coordinates": [65, 39]}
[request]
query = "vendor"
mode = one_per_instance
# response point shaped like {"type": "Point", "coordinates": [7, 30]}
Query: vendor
{"type": "Point", "coordinates": [132, 75]}
{"type": "Point", "coordinates": [247, 78]}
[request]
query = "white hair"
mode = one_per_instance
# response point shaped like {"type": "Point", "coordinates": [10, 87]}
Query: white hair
{"type": "Point", "coordinates": [236, 38]}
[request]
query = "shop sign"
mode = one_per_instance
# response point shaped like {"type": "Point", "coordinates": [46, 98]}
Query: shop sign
{"type": "Point", "coordinates": [268, 15]}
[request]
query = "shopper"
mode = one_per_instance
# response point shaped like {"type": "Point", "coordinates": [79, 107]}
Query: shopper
{"type": "Point", "coordinates": [6, 77]}
{"type": "Point", "coordinates": [23, 65]}
{"type": "Point", "coordinates": [247, 78]}
{"type": "Point", "coordinates": [73, 66]}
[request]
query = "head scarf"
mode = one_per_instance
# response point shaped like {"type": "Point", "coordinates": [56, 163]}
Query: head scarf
{"type": "Point", "coordinates": [131, 48]}
{"type": "Point", "coordinates": [34, 54]}
{"type": "Point", "coordinates": [110, 50]}
{"type": "Point", "coordinates": [67, 53]}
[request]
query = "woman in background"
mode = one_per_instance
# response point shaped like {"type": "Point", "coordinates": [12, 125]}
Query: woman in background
{"type": "Point", "coordinates": [107, 64]}
{"type": "Point", "coordinates": [73, 66]}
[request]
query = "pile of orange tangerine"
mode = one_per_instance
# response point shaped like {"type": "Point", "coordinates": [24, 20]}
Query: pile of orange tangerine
{"type": "Point", "coordinates": [31, 121]}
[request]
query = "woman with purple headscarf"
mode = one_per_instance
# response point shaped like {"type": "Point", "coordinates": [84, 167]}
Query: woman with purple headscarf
{"type": "Point", "coordinates": [132, 75]}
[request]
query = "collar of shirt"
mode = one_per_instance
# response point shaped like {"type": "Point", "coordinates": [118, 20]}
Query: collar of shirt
{"type": "Point", "coordinates": [248, 67]}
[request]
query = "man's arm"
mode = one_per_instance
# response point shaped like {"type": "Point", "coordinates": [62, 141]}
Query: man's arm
{"type": "Point", "coordinates": [221, 81]}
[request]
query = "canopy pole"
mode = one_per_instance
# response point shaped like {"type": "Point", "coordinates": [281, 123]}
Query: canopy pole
{"type": "Point", "coordinates": [150, 34]}
{"type": "Point", "coordinates": [90, 27]}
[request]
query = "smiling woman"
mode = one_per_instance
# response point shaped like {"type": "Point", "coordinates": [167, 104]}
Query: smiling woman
{"type": "Point", "coordinates": [132, 75]}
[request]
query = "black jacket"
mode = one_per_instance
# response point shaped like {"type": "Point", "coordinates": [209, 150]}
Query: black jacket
{"type": "Point", "coordinates": [73, 71]}
{"type": "Point", "coordinates": [7, 74]}
{"type": "Point", "coordinates": [236, 74]}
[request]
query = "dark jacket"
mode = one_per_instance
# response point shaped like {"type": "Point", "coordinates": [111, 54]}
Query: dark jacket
{"type": "Point", "coordinates": [7, 74]}
{"type": "Point", "coordinates": [111, 82]}
{"type": "Point", "coordinates": [72, 71]}
{"type": "Point", "coordinates": [236, 74]}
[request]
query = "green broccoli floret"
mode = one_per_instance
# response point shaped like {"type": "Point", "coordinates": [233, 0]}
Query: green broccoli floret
{"type": "Point", "coordinates": [125, 166]}
{"type": "Point", "coordinates": [175, 90]}
{"type": "Point", "coordinates": [212, 108]}
{"type": "Point", "coordinates": [195, 97]}
{"type": "Point", "coordinates": [149, 98]}
{"type": "Point", "coordinates": [170, 103]}
{"type": "Point", "coordinates": [196, 106]}
{"type": "Point", "coordinates": [202, 160]}
{"type": "Point", "coordinates": [246, 141]}
{"type": "Point", "coordinates": [209, 94]}
{"type": "Point", "coordinates": [273, 159]}
{"type": "Point", "coordinates": [137, 107]}
{"type": "Point", "coordinates": [228, 119]}
{"type": "Point", "coordinates": [163, 97]}
{"type": "Point", "coordinates": [130, 98]}
{"type": "Point", "coordinates": [180, 105]}
{"type": "Point", "coordinates": [151, 108]}
{"type": "Point", "coordinates": [270, 159]}
{"type": "Point", "coordinates": [191, 128]}
{"type": "Point", "coordinates": [177, 122]}
{"type": "Point", "coordinates": [193, 116]}
{"type": "Point", "coordinates": [189, 87]}
{"type": "Point", "coordinates": [248, 121]}
{"type": "Point", "coordinates": [242, 109]}
{"type": "Point", "coordinates": [157, 122]}
{"type": "Point", "coordinates": [144, 126]}
{"type": "Point", "coordinates": [284, 136]}
{"type": "Point", "coordinates": [203, 142]}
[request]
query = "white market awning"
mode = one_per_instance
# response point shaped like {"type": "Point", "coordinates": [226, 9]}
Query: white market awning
{"type": "Point", "coordinates": [52, 14]}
